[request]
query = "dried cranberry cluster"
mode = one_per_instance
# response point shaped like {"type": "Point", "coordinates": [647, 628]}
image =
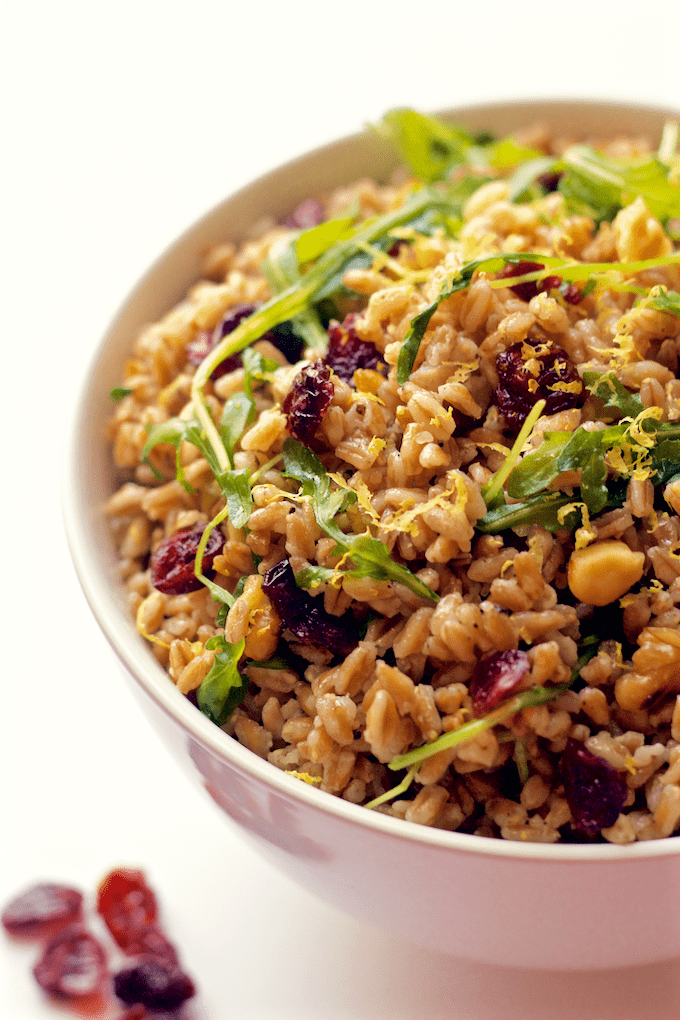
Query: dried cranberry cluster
{"type": "Point", "coordinates": [305, 615]}
{"type": "Point", "coordinates": [311, 393]}
{"type": "Point", "coordinates": [534, 370]}
{"type": "Point", "coordinates": [73, 965]}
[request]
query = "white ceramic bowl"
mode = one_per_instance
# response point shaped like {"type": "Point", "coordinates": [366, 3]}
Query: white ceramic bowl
{"type": "Point", "coordinates": [556, 906]}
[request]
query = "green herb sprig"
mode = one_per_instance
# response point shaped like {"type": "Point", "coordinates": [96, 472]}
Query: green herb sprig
{"type": "Point", "coordinates": [368, 555]}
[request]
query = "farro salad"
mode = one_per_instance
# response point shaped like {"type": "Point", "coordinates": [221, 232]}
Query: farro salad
{"type": "Point", "coordinates": [400, 484]}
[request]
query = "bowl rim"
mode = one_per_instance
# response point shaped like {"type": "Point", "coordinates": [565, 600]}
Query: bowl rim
{"type": "Point", "coordinates": [134, 654]}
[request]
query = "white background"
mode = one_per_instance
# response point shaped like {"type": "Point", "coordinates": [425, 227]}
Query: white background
{"type": "Point", "coordinates": [122, 123]}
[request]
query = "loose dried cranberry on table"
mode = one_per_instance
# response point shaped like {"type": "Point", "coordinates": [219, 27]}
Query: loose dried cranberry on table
{"type": "Point", "coordinates": [42, 907]}
{"type": "Point", "coordinates": [152, 941]}
{"type": "Point", "coordinates": [127, 905]}
{"type": "Point", "coordinates": [534, 370]}
{"type": "Point", "coordinates": [495, 677]}
{"type": "Point", "coordinates": [346, 352]}
{"type": "Point", "coordinates": [594, 790]}
{"type": "Point", "coordinates": [153, 983]}
{"type": "Point", "coordinates": [308, 400]}
{"type": "Point", "coordinates": [136, 1012]}
{"type": "Point", "coordinates": [172, 563]}
{"type": "Point", "coordinates": [305, 615]}
{"type": "Point", "coordinates": [73, 965]}
{"type": "Point", "coordinates": [309, 213]}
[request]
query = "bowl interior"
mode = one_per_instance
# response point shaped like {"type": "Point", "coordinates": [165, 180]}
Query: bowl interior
{"type": "Point", "coordinates": [90, 477]}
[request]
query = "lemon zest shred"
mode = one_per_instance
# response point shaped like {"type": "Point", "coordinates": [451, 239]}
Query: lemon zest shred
{"type": "Point", "coordinates": [376, 445]}
{"type": "Point", "coordinates": [535, 547]}
{"type": "Point", "coordinates": [405, 519]}
{"type": "Point", "coordinates": [463, 371]}
{"type": "Point", "coordinates": [496, 447]}
{"type": "Point", "coordinates": [630, 764]}
{"type": "Point", "coordinates": [336, 579]}
{"type": "Point", "coordinates": [567, 387]}
{"type": "Point", "coordinates": [304, 776]}
{"type": "Point", "coordinates": [362, 491]}
{"type": "Point", "coordinates": [585, 534]}
{"type": "Point", "coordinates": [442, 417]}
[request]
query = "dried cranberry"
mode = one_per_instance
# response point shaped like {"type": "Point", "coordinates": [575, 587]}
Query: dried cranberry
{"type": "Point", "coordinates": [136, 1012]}
{"type": "Point", "coordinates": [152, 941]}
{"type": "Point", "coordinates": [172, 564]}
{"type": "Point", "coordinates": [495, 677]}
{"type": "Point", "coordinates": [308, 213]}
{"type": "Point", "coordinates": [308, 400]}
{"type": "Point", "coordinates": [73, 965]}
{"type": "Point", "coordinates": [534, 370]}
{"type": "Point", "coordinates": [346, 352]}
{"type": "Point", "coordinates": [286, 340]}
{"type": "Point", "coordinates": [571, 293]}
{"type": "Point", "coordinates": [530, 288]}
{"type": "Point", "coordinates": [154, 984]}
{"type": "Point", "coordinates": [127, 905]}
{"type": "Point", "coordinates": [305, 616]}
{"type": "Point", "coordinates": [595, 791]}
{"type": "Point", "coordinates": [40, 907]}
{"type": "Point", "coordinates": [549, 180]}
{"type": "Point", "coordinates": [199, 348]}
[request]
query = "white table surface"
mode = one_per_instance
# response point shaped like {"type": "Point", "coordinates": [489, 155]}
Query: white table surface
{"type": "Point", "coordinates": [121, 124]}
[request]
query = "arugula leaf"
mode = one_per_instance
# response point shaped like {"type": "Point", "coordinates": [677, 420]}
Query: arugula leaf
{"type": "Point", "coordinates": [223, 688]}
{"type": "Point", "coordinates": [312, 243]}
{"type": "Point", "coordinates": [645, 443]}
{"type": "Point", "coordinates": [663, 300]}
{"type": "Point", "coordinates": [257, 369]}
{"type": "Point", "coordinates": [598, 185]}
{"type": "Point", "coordinates": [238, 414]}
{"type": "Point", "coordinates": [427, 145]}
{"type": "Point", "coordinates": [492, 492]}
{"type": "Point", "coordinates": [432, 147]}
{"type": "Point", "coordinates": [118, 393]}
{"type": "Point", "coordinates": [618, 401]}
{"type": "Point", "coordinates": [537, 469]}
{"type": "Point", "coordinates": [282, 270]}
{"type": "Point", "coordinates": [539, 509]}
{"type": "Point", "coordinates": [173, 432]}
{"type": "Point", "coordinates": [369, 556]}
{"type": "Point", "coordinates": [276, 663]}
{"type": "Point", "coordinates": [235, 486]}
{"type": "Point", "coordinates": [303, 464]}
{"type": "Point", "coordinates": [313, 576]}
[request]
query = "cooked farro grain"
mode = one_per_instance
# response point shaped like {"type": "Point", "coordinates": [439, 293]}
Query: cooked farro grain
{"type": "Point", "coordinates": [486, 513]}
